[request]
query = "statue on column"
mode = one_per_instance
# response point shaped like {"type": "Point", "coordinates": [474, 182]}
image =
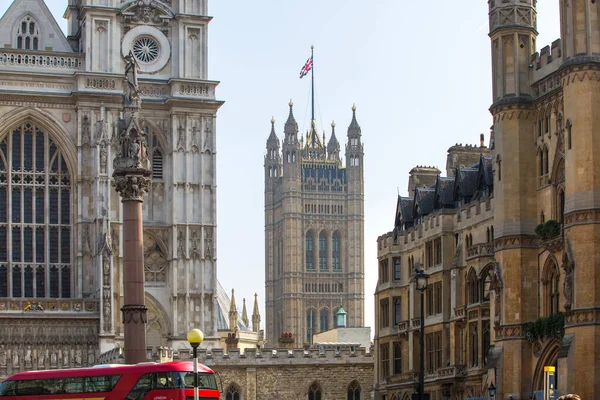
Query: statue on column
{"type": "Point", "coordinates": [132, 92]}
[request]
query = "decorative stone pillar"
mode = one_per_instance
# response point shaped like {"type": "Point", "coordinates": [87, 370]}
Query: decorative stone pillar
{"type": "Point", "coordinates": [131, 178]}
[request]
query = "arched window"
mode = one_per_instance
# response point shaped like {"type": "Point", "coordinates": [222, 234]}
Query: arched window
{"type": "Point", "coordinates": [486, 282]}
{"type": "Point", "coordinates": [397, 310]}
{"type": "Point", "coordinates": [233, 393]}
{"type": "Point", "coordinates": [315, 392]}
{"type": "Point", "coordinates": [35, 215]}
{"type": "Point", "coordinates": [473, 345]}
{"type": "Point", "coordinates": [546, 160]}
{"type": "Point", "coordinates": [492, 233]}
{"type": "Point", "coordinates": [311, 324]}
{"type": "Point", "coordinates": [486, 342]}
{"type": "Point", "coordinates": [335, 252]}
{"type": "Point", "coordinates": [569, 129]}
{"type": "Point", "coordinates": [154, 148]}
{"type": "Point", "coordinates": [541, 153]}
{"type": "Point", "coordinates": [28, 34]}
{"type": "Point", "coordinates": [322, 251]}
{"type": "Point", "coordinates": [552, 283]}
{"type": "Point", "coordinates": [354, 391]}
{"type": "Point", "coordinates": [324, 320]}
{"type": "Point", "coordinates": [472, 287]}
{"type": "Point", "coordinates": [397, 269]}
{"type": "Point", "coordinates": [488, 237]}
{"type": "Point", "coordinates": [309, 252]}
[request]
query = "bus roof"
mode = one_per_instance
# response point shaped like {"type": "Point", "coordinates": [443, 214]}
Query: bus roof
{"type": "Point", "coordinates": [120, 369]}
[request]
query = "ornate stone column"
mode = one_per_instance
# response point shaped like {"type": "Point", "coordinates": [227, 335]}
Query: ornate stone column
{"type": "Point", "coordinates": [131, 178]}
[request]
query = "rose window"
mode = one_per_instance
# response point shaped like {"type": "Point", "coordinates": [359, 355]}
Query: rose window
{"type": "Point", "coordinates": [145, 49]}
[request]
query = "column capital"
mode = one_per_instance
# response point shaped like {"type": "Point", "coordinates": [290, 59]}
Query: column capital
{"type": "Point", "coordinates": [132, 187]}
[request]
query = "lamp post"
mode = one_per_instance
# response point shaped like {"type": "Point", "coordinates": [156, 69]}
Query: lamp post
{"type": "Point", "coordinates": [195, 337]}
{"type": "Point", "coordinates": [421, 280]}
{"type": "Point", "coordinates": [492, 391]}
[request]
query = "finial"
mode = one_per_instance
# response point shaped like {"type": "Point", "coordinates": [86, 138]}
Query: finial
{"type": "Point", "coordinates": [333, 124]}
{"type": "Point", "coordinates": [313, 122]}
{"type": "Point", "coordinates": [272, 120]}
{"type": "Point", "coordinates": [353, 107]}
{"type": "Point", "coordinates": [291, 103]}
{"type": "Point", "coordinates": [312, 47]}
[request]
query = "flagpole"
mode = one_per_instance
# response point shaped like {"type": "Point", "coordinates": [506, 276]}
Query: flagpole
{"type": "Point", "coordinates": [312, 48]}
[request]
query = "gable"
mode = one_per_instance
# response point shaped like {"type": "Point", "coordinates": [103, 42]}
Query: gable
{"type": "Point", "coordinates": [49, 35]}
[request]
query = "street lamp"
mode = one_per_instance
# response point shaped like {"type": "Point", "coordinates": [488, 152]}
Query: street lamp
{"type": "Point", "coordinates": [492, 391]}
{"type": "Point", "coordinates": [195, 337]}
{"type": "Point", "coordinates": [421, 280]}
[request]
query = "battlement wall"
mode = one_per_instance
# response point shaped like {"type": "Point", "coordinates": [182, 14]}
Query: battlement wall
{"type": "Point", "coordinates": [546, 61]}
{"type": "Point", "coordinates": [297, 357]}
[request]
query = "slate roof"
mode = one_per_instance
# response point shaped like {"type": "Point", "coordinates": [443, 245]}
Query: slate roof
{"type": "Point", "coordinates": [404, 211]}
{"type": "Point", "coordinates": [466, 181]}
{"type": "Point", "coordinates": [444, 192]}
{"type": "Point", "coordinates": [425, 200]}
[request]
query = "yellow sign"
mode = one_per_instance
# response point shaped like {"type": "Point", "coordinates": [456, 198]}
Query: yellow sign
{"type": "Point", "coordinates": [549, 369]}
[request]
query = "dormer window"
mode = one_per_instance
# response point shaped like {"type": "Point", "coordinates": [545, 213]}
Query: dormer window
{"type": "Point", "coordinates": [28, 34]}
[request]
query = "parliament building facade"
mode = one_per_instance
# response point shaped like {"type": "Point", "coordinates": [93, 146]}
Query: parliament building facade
{"type": "Point", "coordinates": [509, 237]}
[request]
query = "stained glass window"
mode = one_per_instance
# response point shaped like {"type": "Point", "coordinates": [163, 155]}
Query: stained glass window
{"type": "Point", "coordinates": [35, 214]}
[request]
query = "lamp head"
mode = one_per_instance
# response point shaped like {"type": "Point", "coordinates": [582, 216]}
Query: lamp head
{"type": "Point", "coordinates": [421, 279]}
{"type": "Point", "coordinates": [492, 390]}
{"type": "Point", "coordinates": [195, 337]}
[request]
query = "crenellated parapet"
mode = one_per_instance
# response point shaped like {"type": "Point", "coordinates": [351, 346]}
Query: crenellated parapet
{"type": "Point", "coordinates": [297, 357]}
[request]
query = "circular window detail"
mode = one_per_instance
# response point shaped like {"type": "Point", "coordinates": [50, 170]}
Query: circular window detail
{"type": "Point", "coordinates": [145, 49]}
{"type": "Point", "coordinates": [149, 46]}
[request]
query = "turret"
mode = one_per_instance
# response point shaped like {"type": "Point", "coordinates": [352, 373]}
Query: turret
{"type": "Point", "coordinates": [579, 28]}
{"type": "Point", "coordinates": [333, 147]}
{"type": "Point", "coordinates": [354, 148]}
{"type": "Point", "coordinates": [273, 156]}
{"type": "Point", "coordinates": [513, 33]}
{"type": "Point", "coordinates": [245, 314]}
{"type": "Point", "coordinates": [290, 143]}
{"type": "Point", "coordinates": [255, 315]}
{"type": "Point", "coordinates": [233, 314]}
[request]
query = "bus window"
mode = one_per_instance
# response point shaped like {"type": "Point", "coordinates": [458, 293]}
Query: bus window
{"type": "Point", "coordinates": [148, 382]}
{"type": "Point", "coordinates": [104, 383]}
{"type": "Point", "coordinates": [186, 379]}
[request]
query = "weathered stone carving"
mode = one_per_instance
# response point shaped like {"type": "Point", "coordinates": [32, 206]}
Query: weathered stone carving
{"type": "Point", "coordinates": [147, 11]}
{"type": "Point", "coordinates": [194, 249]}
{"type": "Point", "coordinates": [181, 244]}
{"type": "Point", "coordinates": [208, 142]}
{"type": "Point", "coordinates": [86, 249]}
{"type": "Point", "coordinates": [85, 129]}
{"type": "Point", "coordinates": [181, 139]}
{"type": "Point", "coordinates": [193, 141]}
{"type": "Point", "coordinates": [568, 265]}
{"type": "Point", "coordinates": [131, 188]}
{"type": "Point", "coordinates": [208, 243]}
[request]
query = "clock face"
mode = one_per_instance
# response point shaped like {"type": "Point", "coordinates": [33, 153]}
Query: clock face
{"type": "Point", "coordinates": [149, 46]}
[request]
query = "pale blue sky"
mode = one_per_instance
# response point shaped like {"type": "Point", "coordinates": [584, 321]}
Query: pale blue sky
{"type": "Point", "coordinates": [418, 71]}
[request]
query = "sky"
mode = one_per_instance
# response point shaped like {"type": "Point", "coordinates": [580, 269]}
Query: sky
{"type": "Point", "coordinates": [418, 71]}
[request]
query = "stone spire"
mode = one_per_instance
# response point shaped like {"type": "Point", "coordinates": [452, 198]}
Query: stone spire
{"type": "Point", "coordinates": [273, 140]}
{"type": "Point", "coordinates": [255, 315]}
{"type": "Point", "coordinates": [333, 147]}
{"type": "Point", "coordinates": [354, 128]}
{"type": "Point", "coordinates": [131, 179]}
{"type": "Point", "coordinates": [245, 314]}
{"type": "Point", "coordinates": [233, 313]}
{"type": "Point", "coordinates": [291, 126]}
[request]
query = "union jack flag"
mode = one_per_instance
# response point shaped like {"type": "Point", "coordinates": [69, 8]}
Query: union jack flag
{"type": "Point", "coordinates": [307, 67]}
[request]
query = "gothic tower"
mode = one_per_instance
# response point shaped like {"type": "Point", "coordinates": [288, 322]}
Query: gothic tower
{"type": "Point", "coordinates": [314, 232]}
{"type": "Point", "coordinates": [580, 31]}
{"type": "Point", "coordinates": [513, 33]}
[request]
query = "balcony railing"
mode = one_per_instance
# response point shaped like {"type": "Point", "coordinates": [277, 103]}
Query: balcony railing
{"type": "Point", "coordinates": [416, 323]}
{"type": "Point", "coordinates": [480, 250]}
{"type": "Point", "coordinates": [43, 60]}
{"type": "Point", "coordinates": [452, 371]}
{"type": "Point", "coordinates": [403, 327]}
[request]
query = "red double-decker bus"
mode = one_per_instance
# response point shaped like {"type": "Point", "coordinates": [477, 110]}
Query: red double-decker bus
{"type": "Point", "coordinates": [146, 381]}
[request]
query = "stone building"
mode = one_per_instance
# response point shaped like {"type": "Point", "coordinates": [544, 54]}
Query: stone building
{"type": "Point", "coordinates": [314, 232]}
{"type": "Point", "coordinates": [535, 274]}
{"type": "Point", "coordinates": [60, 218]}
{"type": "Point", "coordinates": [445, 228]}
{"type": "Point", "coordinates": [297, 374]}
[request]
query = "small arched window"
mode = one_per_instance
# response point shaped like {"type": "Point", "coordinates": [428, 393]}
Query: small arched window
{"type": "Point", "coordinates": [546, 151]}
{"type": "Point", "coordinates": [309, 251]}
{"type": "Point", "coordinates": [311, 324]}
{"type": "Point", "coordinates": [233, 393]}
{"type": "Point", "coordinates": [322, 251]}
{"type": "Point", "coordinates": [569, 129]}
{"type": "Point", "coordinates": [354, 391]}
{"type": "Point", "coordinates": [28, 34]}
{"type": "Point", "coordinates": [154, 147]}
{"type": "Point", "coordinates": [486, 282]}
{"type": "Point", "coordinates": [324, 320]}
{"type": "Point", "coordinates": [315, 392]}
{"type": "Point", "coordinates": [335, 252]}
{"type": "Point", "coordinates": [472, 287]}
{"type": "Point", "coordinates": [552, 289]}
